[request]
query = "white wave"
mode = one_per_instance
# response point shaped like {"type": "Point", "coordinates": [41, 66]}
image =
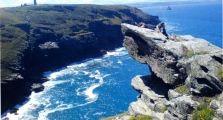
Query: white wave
{"type": "Point", "coordinates": [72, 82]}
{"type": "Point", "coordinates": [51, 84]}
{"type": "Point", "coordinates": [44, 113]}
{"type": "Point", "coordinates": [33, 102]}
{"type": "Point", "coordinates": [36, 100]}
{"type": "Point", "coordinates": [99, 76]}
{"type": "Point", "coordinates": [89, 91]}
{"type": "Point", "coordinates": [120, 62]}
{"type": "Point", "coordinates": [61, 107]}
{"type": "Point", "coordinates": [85, 72]}
{"type": "Point", "coordinates": [29, 105]}
{"type": "Point", "coordinates": [118, 52]}
{"type": "Point", "coordinates": [85, 116]}
{"type": "Point", "coordinates": [99, 113]}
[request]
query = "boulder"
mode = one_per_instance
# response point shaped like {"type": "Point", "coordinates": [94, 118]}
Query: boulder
{"type": "Point", "coordinates": [181, 106]}
{"type": "Point", "coordinates": [217, 105]}
{"type": "Point", "coordinates": [49, 45]}
{"type": "Point", "coordinates": [14, 111]}
{"type": "Point", "coordinates": [152, 98]}
{"type": "Point", "coordinates": [173, 94]}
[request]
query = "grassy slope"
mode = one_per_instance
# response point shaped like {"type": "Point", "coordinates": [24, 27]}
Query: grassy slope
{"type": "Point", "coordinates": [18, 32]}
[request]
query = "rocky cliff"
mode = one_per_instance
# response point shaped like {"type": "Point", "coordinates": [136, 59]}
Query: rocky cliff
{"type": "Point", "coordinates": [186, 80]}
{"type": "Point", "coordinates": [40, 38]}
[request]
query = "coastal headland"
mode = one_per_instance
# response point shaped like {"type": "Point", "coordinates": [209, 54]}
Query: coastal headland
{"type": "Point", "coordinates": [36, 39]}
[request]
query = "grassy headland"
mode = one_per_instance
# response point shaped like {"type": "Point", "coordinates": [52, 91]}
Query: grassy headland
{"type": "Point", "coordinates": [38, 38]}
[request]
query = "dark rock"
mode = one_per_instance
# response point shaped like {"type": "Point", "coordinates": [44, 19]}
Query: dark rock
{"type": "Point", "coordinates": [49, 45]}
{"type": "Point", "coordinates": [217, 105]}
{"type": "Point", "coordinates": [5, 118]}
{"type": "Point", "coordinates": [1, 25]}
{"type": "Point", "coordinates": [13, 110]}
{"type": "Point", "coordinates": [45, 79]}
{"type": "Point", "coordinates": [181, 107]}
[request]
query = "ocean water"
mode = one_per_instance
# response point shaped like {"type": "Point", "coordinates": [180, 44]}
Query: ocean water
{"type": "Point", "coordinates": [203, 20]}
{"type": "Point", "coordinates": [87, 90]}
{"type": "Point", "coordinates": [100, 87]}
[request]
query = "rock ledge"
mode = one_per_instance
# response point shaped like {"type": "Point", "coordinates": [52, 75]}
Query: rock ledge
{"type": "Point", "coordinates": [177, 64]}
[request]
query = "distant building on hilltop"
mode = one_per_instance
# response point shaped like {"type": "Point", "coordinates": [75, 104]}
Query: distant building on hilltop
{"type": "Point", "coordinates": [35, 2]}
{"type": "Point", "coordinates": [29, 4]}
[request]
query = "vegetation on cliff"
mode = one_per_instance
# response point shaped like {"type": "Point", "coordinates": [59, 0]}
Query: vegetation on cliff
{"type": "Point", "coordinates": [39, 38]}
{"type": "Point", "coordinates": [23, 28]}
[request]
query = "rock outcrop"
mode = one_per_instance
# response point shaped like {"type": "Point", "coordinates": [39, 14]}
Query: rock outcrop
{"type": "Point", "coordinates": [37, 87]}
{"type": "Point", "coordinates": [184, 72]}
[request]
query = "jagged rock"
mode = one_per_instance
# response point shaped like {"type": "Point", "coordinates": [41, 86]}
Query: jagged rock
{"type": "Point", "coordinates": [158, 116]}
{"type": "Point", "coordinates": [37, 87]}
{"type": "Point", "coordinates": [220, 113]}
{"type": "Point", "coordinates": [152, 98]}
{"type": "Point", "coordinates": [168, 116]}
{"type": "Point", "coordinates": [45, 79]}
{"type": "Point", "coordinates": [140, 108]}
{"type": "Point", "coordinates": [217, 105]}
{"type": "Point", "coordinates": [181, 58]}
{"type": "Point", "coordinates": [214, 104]}
{"type": "Point", "coordinates": [14, 111]}
{"type": "Point", "coordinates": [215, 118]}
{"type": "Point", "coordinates": [49, 45]}
{"type": "Point", "coordinates": [173, 94]}
{"type": "Point", "coordinates": [181, 107]}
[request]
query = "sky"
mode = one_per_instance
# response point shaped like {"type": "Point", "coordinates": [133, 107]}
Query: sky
{"type": "Point", "coordinates": [13, 3]}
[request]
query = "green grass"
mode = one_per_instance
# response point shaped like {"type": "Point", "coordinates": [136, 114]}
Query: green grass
{"type": "Point", "coordinates": [182, 88]}
{"type": "Point", "coordinates": [203, 113]}
{"type": "Point", "coordinates": [190, 54]}
{"type": "Point", "coordinates": [220, 73]}
{"type": "Point", "coordinates": [54, 20]}
{"type": "Point", "coordinates": [143, 117]}
{"type": "Point", "coordinates": [164, 108]}
{"type": "Point", "coordinates": [203, 100]}
{"type": "Point", "coordinates": [113, 117]}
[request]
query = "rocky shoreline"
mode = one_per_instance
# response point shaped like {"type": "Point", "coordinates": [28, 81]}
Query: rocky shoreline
{"type": "Point", "coordinates": [43, 38]}
{"type": "Point", "coordinates": [186, 76]}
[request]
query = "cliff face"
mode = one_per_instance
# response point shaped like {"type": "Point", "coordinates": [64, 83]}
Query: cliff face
{"type": "Point", "coordinates": [186, 73]}
{"type": "Point", "coordinates": [39, 38]}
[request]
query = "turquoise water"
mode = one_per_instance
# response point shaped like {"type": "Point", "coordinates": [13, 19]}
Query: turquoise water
{"type": "Point", "coordinates": [100, 87]}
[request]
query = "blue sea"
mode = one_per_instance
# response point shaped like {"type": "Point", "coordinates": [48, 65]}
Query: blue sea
{"type": "Point", "coordinates": [100, 87]}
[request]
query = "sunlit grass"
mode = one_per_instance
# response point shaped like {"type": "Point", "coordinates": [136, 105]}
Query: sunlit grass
{"type": "Point", "coordinates": [203, 113]}
{"type": "Point", "coordinates": [143, 117]}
